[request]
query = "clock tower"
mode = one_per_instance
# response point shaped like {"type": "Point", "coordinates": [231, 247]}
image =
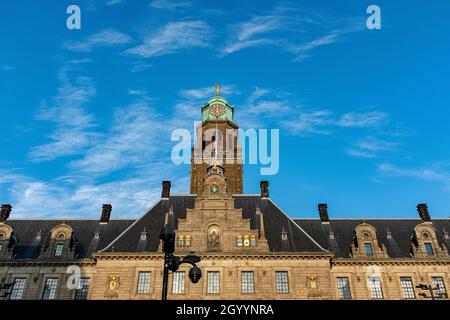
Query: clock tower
{"type": "Point", "coordinates": [217, 143]}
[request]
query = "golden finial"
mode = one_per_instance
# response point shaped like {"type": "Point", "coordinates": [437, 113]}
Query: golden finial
{"type": "Point", "coordinates": [217, 89]}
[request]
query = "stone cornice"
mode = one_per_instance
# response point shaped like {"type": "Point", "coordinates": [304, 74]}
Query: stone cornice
{"type": "Point", "coordinates": [83, 262]}
{"type": "Point", "coordinates": [231, 123]}
{"type": "Point", "coordinates": [214, 256]}
{"type": "Point", "coordinates": [398, 262]}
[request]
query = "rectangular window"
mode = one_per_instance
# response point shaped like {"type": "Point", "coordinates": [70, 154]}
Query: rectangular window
{"type": "Point", "coordinates": [143, 286]}
{"type": "Point", "coordinates": [17, 289]}
{"type": "Point", "coordinates": [439, 287]}
{"type": "Point", "coordinates": [375, 288]}
{"type": "Point", "coordinates": [178, 282]}
{"type": "Point", "coordinates": [407, 288]}
{"type": "Point", "coordinates": [343, 288]}
{"type": "Point", "coordinates": [50, 289]}
{"type": "Point", "coordinates": [429, 249]}
{"type": "Point", "coordinates": [247, 282]}
{"type": "Point", "coordinates": [282, 281]}
{"type": "Point", "coordinates": [82, 293]}
{"type": "Point", "coordinates": [368, 249]}
{"type": "Point", "coordinates": [58, 250]}
{"type": "Point", "coordinates": [213, 282]}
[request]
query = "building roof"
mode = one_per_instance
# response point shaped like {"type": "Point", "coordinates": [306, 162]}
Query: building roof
{"type": "Point", "coordinates": [274, 222]}
{"type": "Point", "coordinates": [29, 246]}
{"type": "Point", "coordinates": [398, 244]}
{"type": "Point", "coordinates": [300, 235]}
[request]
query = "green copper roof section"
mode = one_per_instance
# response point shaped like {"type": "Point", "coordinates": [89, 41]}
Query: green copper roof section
{"type": "Point", "coordinates": [217, 100]}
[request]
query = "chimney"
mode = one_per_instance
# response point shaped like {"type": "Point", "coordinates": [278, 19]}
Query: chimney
{"type": "Point", "coordinates": [264, 189]}
{"type": "Point", "coordinates": [165, 189]}
{"type": "Point", "coordinates": [423, 212]}
{"type": "Point", "coordinates": [106, 213]}
{"type": "Point", "coordinates": [323, 212]}
{"type": "Point", "coordinates": [5, 212]}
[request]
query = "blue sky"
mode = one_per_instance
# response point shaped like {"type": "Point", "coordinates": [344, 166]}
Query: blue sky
{"type": "Point", "coordinates": [86, 115]}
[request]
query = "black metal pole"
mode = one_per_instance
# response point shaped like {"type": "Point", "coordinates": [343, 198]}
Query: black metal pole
{"type": "Point", "coordinates": [431, 292]}
{"type": "Point", "coordinates": [165, 277]}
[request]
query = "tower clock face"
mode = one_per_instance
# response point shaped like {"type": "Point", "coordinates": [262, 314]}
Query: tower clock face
{"type": "Point", "coordinates": [217, 110]}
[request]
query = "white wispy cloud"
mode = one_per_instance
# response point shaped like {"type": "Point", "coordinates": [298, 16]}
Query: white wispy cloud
{"type": "Point", "coordinates": [66, 110]}
{"type": "Point", "coordinates": [205, 93]}
{"type": "Point", "coordinates": [289, 29]}
{"type": "Point", "coordinates": [302, 51]}
{"type": "Point", "coordinates": [137, 92]}
{"type": "Point", "coordinates": [172, 38]}
{"type": "Point", "coordinates": [169, 5]}
{"type": "Point", "coordinates": [313, 122]}
{"type": "Point", "coordinates": [363, 119]}
{"type": "Point", "coordinates": [7, 67]}
{"type": "Point", "coordinates": [130, 196]}
{"type": "Point", "coordinates": [267, 107]}
{"type": "Point", "coordinates": [245, 33]}
{"type": "Point", "coordinates": [135, 133]}
{"type": "Point", "coordinates": [104, 38]}
{"type": "Point", "coordinates": [113, 2]}
{"type": "Point", "coordinates": [371, 147]}
{"type": "Point", "coordinates": [140, 66]}
{"type": "Point", "coordinates": [435, 172]}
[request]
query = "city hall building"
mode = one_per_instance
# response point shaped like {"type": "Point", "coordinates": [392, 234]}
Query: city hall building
{"type": "Point", "coordinates": [249, 247]}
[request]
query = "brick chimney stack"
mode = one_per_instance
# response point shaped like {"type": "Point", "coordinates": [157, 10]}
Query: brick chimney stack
{"type": "Point", "coordinates": [106, 213]}
{"type": "Point", "coordinates": [165, 189]}
{"type": "Point", "coordinates": [423, 212]}
{"type": "Point", "coordinates": [5, 212]}
{"type": "Point", "coordinates": [264, 189]}
{"type": "Point", "coordinates": [323, 212]}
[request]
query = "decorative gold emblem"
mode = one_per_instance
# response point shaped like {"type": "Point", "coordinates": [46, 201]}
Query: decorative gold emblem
{"type": "Point", "coordinates": [113, 282]}
{"type": "Point", "coordinates": [312, 279]}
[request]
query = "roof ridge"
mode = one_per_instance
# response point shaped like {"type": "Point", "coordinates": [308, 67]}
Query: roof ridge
{"type": "Point", "coordinates": [301, 229]}
{"type": "Point", "coordinates": [331, 219]}
{"type": "Point", "coordinates": [67, 219]}
{"type": "Point", "coordinates": [132, 225]}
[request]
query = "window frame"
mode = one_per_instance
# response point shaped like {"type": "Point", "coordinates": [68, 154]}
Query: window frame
{"type": "Point", "coordinates": [443, 289]}
{"type": "Point", "coordinates": [247, 282]}
{"type": "Point", "coordinates": [21, 289]}
{"type": "Point", "coordinates": [213, 283]}
{"type": "Point", "coordinates": [57, 252]}
{"type": "Point", "coordinates": [83, 292]}
{"type": "Point", "coordinates": [376, 294]}
{"type": "Point", "coordinates": [179, 285]}
{"type": "Point", "coordinates": [52, 291]}
{"type": "Point", "coordinates": [341, 293]}
{"type": "Point", "coordinates": [368, 245]}
{"type": "Point", "coordinates": [142, 287]}
{"type": "Point", "coordinates": [404, 289]}
{"type": "Point", "coordinates": [282, 283]}
{"type": "Point", "coordinates": [428, 246]}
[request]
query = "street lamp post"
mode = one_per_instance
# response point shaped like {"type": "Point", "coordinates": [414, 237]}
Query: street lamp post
{"type": "Point", "coordinates": [172, 263]}
{"type": "Point", "coordinates": [430, 289]}
{"type": "Point", "coordinates": [7, 287]}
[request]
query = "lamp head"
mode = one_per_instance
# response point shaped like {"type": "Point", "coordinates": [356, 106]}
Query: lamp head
{"type": "Point", "coordinates": [166, 233]}
{"type": "Point", "coordinates": [195, 274]}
